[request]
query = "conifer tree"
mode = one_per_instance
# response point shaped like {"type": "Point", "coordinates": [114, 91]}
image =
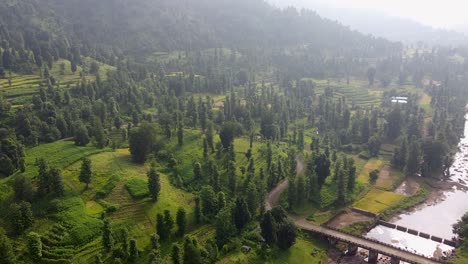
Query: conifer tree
{"type": "Point", "coordinates": [35, 246]}
{"type": "Point", "coordinates": [133, 256]}
{"type": "Point", "coordinates": [6, 251]}
{"type": "Point", "coordinates": [85, 172]}
{"type": "Point", "coordinates": [154, 184]}
{"type": "Point", "coordinates": [107, 240]}
{"type": "Point", "coordinates": [181, 219]}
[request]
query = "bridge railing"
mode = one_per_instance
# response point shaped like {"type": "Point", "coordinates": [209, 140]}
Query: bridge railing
{"type": "Point", "coordinates": [380, 243]}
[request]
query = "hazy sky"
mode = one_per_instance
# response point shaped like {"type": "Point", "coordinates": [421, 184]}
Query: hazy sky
{"type": "Point", "coordinates": [438, 13]}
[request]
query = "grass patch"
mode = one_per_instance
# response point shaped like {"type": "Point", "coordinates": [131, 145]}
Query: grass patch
{"type": "Point", "coordinates": [363, 173]}
{"type": "Point", "coordinates": [137, 188]}
{"type": "Point", "coordinates": [406, 202]}
{"type": "Point", "coordinates": [377, 201]}
{"type": "Point", "coordinates": [357, 228]}
{"type": "Point", "coordinates": [303, 251]}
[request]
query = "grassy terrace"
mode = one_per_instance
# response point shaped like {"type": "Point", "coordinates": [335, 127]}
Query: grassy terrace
{"type": "Point", "coordinates": [22, 87]}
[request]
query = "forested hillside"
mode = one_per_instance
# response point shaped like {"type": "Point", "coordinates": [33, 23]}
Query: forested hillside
{"type": "Point", "coordinates": [152, 131]}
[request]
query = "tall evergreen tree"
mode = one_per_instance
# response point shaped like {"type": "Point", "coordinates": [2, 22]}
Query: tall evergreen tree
{"type": "Point", "coordinates": [35, 246]}
{"type": "Point", "coordinates": [168, 222]}
{"type": "Point", "coordinates": [241, 213]}
{"type": "Point", "coordinates": [268, 228]}
{"type": "Point", "coordinates": [85, 172]}
{"type": "Point", "coordinates": [133, 256]}
{"type": "Point", "coordinates": [181, 220]}
{"type": "Point", "coordinates": [6, 251]}
{"type": "Point", "coordinates": [107, 240]}
{"type": "Point", "coordinates": [154, 184]}
{"type": "Point", "coordinates": [161, 227]}
{"type": "Point", "coordinates": [177, 254]}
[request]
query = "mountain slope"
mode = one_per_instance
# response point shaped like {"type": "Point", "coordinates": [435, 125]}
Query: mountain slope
{"type": "Point", "coordinates": [377, 23]}
{"type": "Point", "coordinates": [145, 25]}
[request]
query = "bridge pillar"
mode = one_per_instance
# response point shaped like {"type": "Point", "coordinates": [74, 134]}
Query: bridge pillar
{"type": "Point", "coordinates": [373, 257]}
{"type": "Point", "coordinates": [395, 260]}
{"type": "Point", "coordinates": [352, 249]}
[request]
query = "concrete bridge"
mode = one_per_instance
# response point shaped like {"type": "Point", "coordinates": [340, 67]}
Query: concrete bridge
{"type": "Point", "coordinates": [448, 242]}
{"type": "Point", "coordinates": [354, 242]}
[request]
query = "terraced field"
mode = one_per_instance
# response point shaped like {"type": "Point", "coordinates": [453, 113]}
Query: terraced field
{"type": "Point", "coordinates": [19, 89]}
{"type": "Point", "coordinates": [356, 93]}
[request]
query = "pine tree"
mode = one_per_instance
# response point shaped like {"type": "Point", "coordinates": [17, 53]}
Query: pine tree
{"type": "Point", "coordinates": [161, 227]}
{"type": "Point", "coordinates": [43, 177]}
{"type": "Point", "coordinates": [155, 242]}
{"type": "Point", "coordinates": [215, 178]}
{"type": "Point", "coordinates": [125, 242]}
{"type": "Point", "coordinates": [210, 135]}
{"type": "Point", "coordinates": [35, 246]}
{"type": "Point", "coordinates": [85, 172]}
{"type": "Point", "coordinates": [205, 149]}
{"type": "Point", "coordinates": [292, 193]}
{"type": "Point", "coordinates": [180, 134]}
{"type": "Point", "coordinates": [154, 184]}
{"type": "Point", "coordinates": [252, 199]}
{"type": "Point", "coordinates": [225, 228]}
{"type": "Point", "coordinates": [221, 200]}
{"type": "Point", "coordinates": [198, 210]}
{"type": "Point", "coordinates": [301, 190]}
{"type": "Point", "coordinates": [107, 240]}
{"type": "Point", "coordinates": [133, 256]}
{"type": "Point", "coordinates": [268, 228]}
{"type": "Point", "coordinates": [192, 254]}
{"type": "Point", "coordinates": [288, 233]}
{"type": "Point", "coordinates": [341, 184]}
{"type": "Point", "coordinates": [21, 216]}
{"type": "Point", "coordinates": [413, 158]}
{"type": "Point", "coordinates": [197, 171]}
{"type": "Point", "coordinates": [176, 254]}
{"type": "Point", "coordinates": [6, 251]}
{"type": "Point", "coordinates": [168, 222]}
{"type": "Point", "coordinates": [300, 140]}
{"type": "Point", "coordinates": [56, 182]}
{"type": "Point", "coordinates": [351, 171]}
{"type": "Point", "coordinates": [208, 201]}
{"type": "Point", "coordinates": [292, 162]}
{"type": "Point", "coordinates": [232, 178]}
{"type": "Point", "coordinates": [98, 259]}
{"type": "Point", "coordinates": [181, 219]}
{"type": "Point", "coordinates": [241, 213]}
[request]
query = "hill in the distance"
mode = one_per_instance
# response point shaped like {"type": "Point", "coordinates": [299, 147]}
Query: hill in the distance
{"type": "Point", "coordinates": [378, 23]}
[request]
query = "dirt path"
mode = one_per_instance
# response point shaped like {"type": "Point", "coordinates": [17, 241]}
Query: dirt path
{"type": "Point", "coordinates": [348, 217]}
{"type": "Point", "coordinates": [273, 196]}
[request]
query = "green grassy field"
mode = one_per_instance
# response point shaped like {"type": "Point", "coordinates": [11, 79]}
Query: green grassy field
{"type": "Point", "coordinates": [304, 251]}
{"type": "Point", "coordinates": [377, 200]}
{"type": "Point", "coordinates": [24, 86]}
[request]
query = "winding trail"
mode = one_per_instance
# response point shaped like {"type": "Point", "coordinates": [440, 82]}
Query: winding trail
{"type": "Point", "coordinates": [272, 199]}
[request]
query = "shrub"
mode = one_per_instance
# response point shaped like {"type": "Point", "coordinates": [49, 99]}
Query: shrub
{"type": "Point", "coordinates": [108, 187]}
{"type": "Point", "coordinates": [137, 188]}
{"type": "Point", "coordinates": [364, 155]}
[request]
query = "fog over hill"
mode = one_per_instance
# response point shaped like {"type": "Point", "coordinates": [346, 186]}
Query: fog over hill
{"type": "Point", "coordinates": [379, 23]}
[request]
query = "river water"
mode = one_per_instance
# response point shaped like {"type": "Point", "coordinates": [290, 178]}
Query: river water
{"type": "Point", "coordinates": [435, 217]}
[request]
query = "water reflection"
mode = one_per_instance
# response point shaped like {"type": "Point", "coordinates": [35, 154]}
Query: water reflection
{"type": "Point", "coordinates": [435, 218]}
{"type": "Point", "coordinates": [409, 242]}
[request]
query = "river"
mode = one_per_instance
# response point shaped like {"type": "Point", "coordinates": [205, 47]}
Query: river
{"type": "Point", "coordinates": [435, 217]}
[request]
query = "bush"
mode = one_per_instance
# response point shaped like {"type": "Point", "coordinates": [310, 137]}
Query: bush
{"type": "Point", "coordinates": [108, 187]}
{"type": "Point", "coordinates": [364, 155]}
{"type": "Point", "coordinates": [137, 188]}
